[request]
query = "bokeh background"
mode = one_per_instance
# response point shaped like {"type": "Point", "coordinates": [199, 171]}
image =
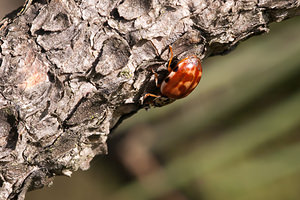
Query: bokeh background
{"type": "Point", "coordinates": [237, 136]}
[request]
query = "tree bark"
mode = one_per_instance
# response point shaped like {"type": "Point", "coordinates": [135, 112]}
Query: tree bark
{"type": "Point", "coordinates": [71, 70]}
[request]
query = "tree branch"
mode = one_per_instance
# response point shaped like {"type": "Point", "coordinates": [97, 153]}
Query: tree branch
{"type": "Point", "coordinates": [71, 70]}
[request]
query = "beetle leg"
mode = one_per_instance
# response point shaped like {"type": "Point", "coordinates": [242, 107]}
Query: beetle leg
{"type": "Point", "coordinates": [169, 65]}
{"type": "Point", "coordinates": [151, 95]}
{"type": "Point", "coordinates": [156, 78]}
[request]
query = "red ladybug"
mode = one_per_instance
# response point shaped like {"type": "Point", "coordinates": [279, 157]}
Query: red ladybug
{"type": "Point", "coordinates": [181, 80]}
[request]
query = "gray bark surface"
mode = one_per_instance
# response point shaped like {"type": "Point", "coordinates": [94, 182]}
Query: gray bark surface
{"type": "Point", "coordinates": [71, 70]}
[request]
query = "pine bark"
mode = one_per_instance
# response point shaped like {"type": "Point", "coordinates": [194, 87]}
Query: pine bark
{"type": "Point", "coordinates": [72, 70]}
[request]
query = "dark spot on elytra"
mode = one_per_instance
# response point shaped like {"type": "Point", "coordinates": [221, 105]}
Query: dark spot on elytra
{"type": "Point", "coordinates": [182, 88]}
{"type": "Point", "coordinates": [188, 77]}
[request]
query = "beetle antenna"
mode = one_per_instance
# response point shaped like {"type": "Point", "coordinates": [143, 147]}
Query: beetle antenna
{"type": "Point", "coordinates": [169, 65]}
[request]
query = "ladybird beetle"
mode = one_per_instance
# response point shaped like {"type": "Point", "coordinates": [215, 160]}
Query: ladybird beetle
{"type": "Point", "coordinates": [181, 80]}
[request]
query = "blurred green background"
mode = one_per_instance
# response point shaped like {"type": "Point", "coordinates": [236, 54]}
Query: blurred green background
{"type": "Point", "coordinates": [237, 136]}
